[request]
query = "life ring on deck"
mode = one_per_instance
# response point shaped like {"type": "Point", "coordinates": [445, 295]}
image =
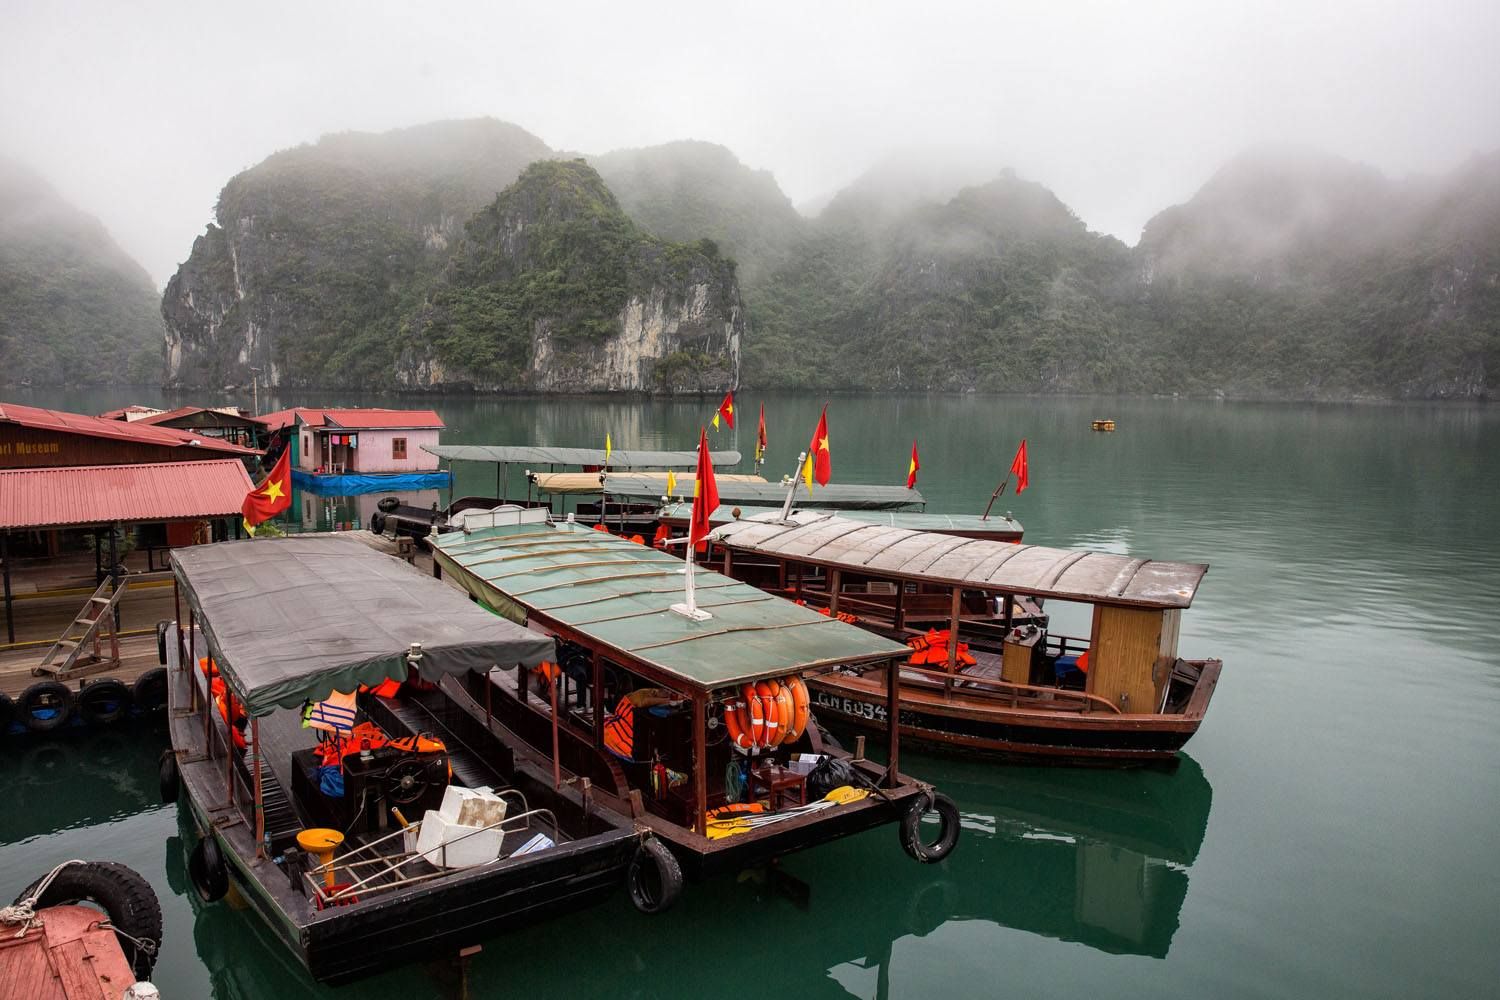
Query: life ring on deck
{"type": "Point", "coordinates": [121, 892]}
{"type": "Point", "coordinates": [654, 878]}
{"type": "Point", "coordinates": [44, 706]}
{"type": "Point", "coordinates": [755, 715]}
{"type": "Point", "coordinates": [734, 713]}
{"type": "Point", "coordinates": [7, 712]}
{"type": "Point", "coordinates": [169, 776]}
{"type": "Point", "coordinates": [103, 702]}
{"type": "Point", "coordinates": [207, 870]}
{"type": "Point", "coordinates": [911, 828]}
{"type": "Point", "coordinates": [149, 692]}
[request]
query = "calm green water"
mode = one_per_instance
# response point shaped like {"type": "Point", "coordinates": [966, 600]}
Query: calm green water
{"type": "Point", "coordinates": [1331, 832]}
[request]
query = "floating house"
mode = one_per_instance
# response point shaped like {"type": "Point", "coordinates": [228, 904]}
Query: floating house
{"type": "Point", "coordinates": [229, 423]}
{"type": "Point", "coordinates": [348, 452]}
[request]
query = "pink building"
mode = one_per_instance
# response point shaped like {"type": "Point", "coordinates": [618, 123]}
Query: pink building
{"type": "Point", "coordinates": [358, 442]}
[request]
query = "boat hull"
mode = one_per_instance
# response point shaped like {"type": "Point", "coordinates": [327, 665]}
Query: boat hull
{"type": "Point", "coordinates": [968, 728]}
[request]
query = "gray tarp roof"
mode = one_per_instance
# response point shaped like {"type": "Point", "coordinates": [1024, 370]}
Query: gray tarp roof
{"type": "Point", "coordinates": [290, 619]}
{"type": "Point", "coordinates": [945, 524]}
{"type": "Point", "coordinates": [976, 563]}
{"type": "Point", "coordinates": [833, 496]}
{"type": "Point", "coordinates": [619, 458]}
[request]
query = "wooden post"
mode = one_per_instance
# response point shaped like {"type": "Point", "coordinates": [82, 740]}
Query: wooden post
{"type": "Point", "coordinates": [10, 623]}
{"type": "Point", "coordinates": [893, 720]}
{"type": "Point", "coordinates": [228, 742]}
{"type": "Point", "coordinates": [597, 683]}
{"type": "Point", "coordinates": [781, 575]}
{"type": "Point", "coordinates": [797, 590]}
{"type": "Point", "coordinates": [835, 581]}
{"type": "Point", "coordinates": [489, 693]}
{"type": "Point", "coordinates": [700, 764]}
{"type": "Point", "coordinates": [556, 739]}
{"type": "Point", "coordinates": [955, 613]}
{"type": "Point", "coordinates": [260, 811]}
{"type": "Point", "coordinates": [1010, 611]}
{"type": "Point", "coordinates": [900, 605]}
{"type": "Point", "coordinates": [114, 569]}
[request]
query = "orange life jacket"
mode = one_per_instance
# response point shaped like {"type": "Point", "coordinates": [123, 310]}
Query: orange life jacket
{"type": "Point", "coordinates": [619, 729]}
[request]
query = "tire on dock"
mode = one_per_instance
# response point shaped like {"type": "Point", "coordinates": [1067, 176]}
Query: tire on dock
{"type": "Point", "coordinates": [44, 706]}
{"type": "Point", "coordinates": [103, 702]}
{"type": "Point", "coordinates": [123, 893]}
{"type": "Point", "coordinates": [150, 691]}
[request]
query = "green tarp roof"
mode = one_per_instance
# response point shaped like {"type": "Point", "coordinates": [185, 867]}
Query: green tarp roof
{"type": "Point", "coordinates": [847, 496]}
{"type": "Point", "coordinates": [971, 524]}
{"type": "Point", "coordinates": [619, 594]}
{"type": "Point", "coordinates": [619, 458]}
{"type": "Point", "coordinates": [290, 619]}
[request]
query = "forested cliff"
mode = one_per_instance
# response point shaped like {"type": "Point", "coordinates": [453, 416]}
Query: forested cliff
{"type": "Point", "coordinates": [436, 257]}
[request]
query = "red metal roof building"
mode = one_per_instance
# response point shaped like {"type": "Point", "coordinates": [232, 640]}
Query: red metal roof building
{"type": "Point", "coordinates": [86, 496]}
{"type": "Point", "coordinates": [32, 437]}
{"type": "Point", "coordinates": [370, 418]}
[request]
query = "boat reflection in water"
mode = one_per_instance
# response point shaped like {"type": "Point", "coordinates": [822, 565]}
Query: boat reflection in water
{"type": "Point", "coordinates": [41, 776]}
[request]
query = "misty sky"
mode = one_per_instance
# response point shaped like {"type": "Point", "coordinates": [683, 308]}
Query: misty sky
{"type": "Point", "coordinates": [139, 112]}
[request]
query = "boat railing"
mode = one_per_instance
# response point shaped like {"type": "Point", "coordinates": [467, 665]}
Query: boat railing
{"type": "Point", "coordinates": [392, 865]}
{"type": "Point", "coordinates": [1014, 689]}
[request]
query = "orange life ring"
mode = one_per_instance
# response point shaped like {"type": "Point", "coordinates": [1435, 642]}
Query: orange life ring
{"type": "Point", "coordinates": [800, 706]}
{"type": "Point", "coordinates": [757, 715]}
{"type": "Point", "coordinates": [768, 704]}
{"type": "Point", "coordinates": [786, 709]}
{"type": "Point", "coordinates": [734, 723]}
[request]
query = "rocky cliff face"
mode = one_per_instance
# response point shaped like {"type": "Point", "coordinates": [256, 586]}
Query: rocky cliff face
{"type": "Point", "coordinates": [317, 251]}
{"type": "Point", "coordinates": [554, 289]}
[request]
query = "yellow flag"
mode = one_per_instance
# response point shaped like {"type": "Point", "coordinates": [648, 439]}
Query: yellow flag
{"type": "Point", "coordinates": [716, 420]}
{"type": "Point", "coordinates": [609, 447]}
{"type": "Point", "coordinates": [807, 471]}
{"type": "Point", "coordinates": [671, 483]}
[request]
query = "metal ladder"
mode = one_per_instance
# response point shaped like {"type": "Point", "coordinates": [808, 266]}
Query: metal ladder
{"type": "Point", "coordinates": [98, 615]}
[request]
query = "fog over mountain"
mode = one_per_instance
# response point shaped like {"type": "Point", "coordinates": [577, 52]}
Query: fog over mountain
{"type": "Point", "coordinates": [138, 114]}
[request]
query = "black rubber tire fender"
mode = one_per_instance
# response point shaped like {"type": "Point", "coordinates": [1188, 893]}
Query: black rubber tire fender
{"type": "Point", "coordinates": [207, 870]}
{"type": "Point", "coordinates": [7, 713]}
{"type": "Point", "coordinates": [44, 706]}
{"type": "Point", "coordinates": [103, 702]}
{"type": "Point", "coordinates": [377, 523]}
{"type": "Point", "coordinates": [121, 892]}
{"type": "Point", "coordinates": [169, 776]}
{"type": "Point", "coordinates": [150, 690]}
{"type": "Point", "coordinates": [387, 504]}
{"type": "Point", "coordinates": [163, 629]}
{"type": "Point", "coordinates": [911, 828]}
{"type": "Point", "coordinates": [654, 878]}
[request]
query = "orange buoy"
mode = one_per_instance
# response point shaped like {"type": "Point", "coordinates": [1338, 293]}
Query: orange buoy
{"type": "Point", "coordinates": [734, 724]}
{"type": "Point", "coordinates": [767, 691]}
{"type": "Point", "coordinates": [786, 710]}
{"type": "Point", "coordinates": [757, 716]}
{"type": "Point", "coordinates": [800, 706]}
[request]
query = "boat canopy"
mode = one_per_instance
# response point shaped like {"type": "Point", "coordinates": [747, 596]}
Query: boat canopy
{"type": "Point", "coordinates": [619, 458]}
{"type": "Point", "coordinates": [618, 594]}
{"type": "Point", "coordinates": [846, 496]}
{"type": "Point", "coordinates": [915, 520]}
{"type": "Point", "coordinates": [975, 563]}
{"type": "Point", "coordinates": [558, 483]}
{"type": "Point", "coordinates": [292, 619]}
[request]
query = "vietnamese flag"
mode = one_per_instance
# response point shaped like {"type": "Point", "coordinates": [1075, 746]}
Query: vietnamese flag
{"type": "Point", "coordinates": [725, 410]}
{"type": "Point", "coordinates": [912, 467]}
{"type": "Point", "coordinates": [1018, 467]}
{"type": "Point", "coordinates": [819, 464]}
{"type": "Point", "coordinates": [705, 497]}
{"type": "Point", "coordinates": [272, 496]}
{"type": "Point", "coordinates": [760, 436]}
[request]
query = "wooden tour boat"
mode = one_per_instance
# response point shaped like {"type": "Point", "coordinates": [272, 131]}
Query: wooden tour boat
{"type": "Point", "coordinates": [988, 674]}
{"type": "Point", "coordinates": [654, 712]}
{"type": "Point", "coordinates": [998, 527]}
{"type": "Point", "coordinates": [417, 835]}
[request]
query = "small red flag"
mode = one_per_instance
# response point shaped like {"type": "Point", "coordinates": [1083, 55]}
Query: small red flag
{"type": "Point", "coordinates": [725, 410]}
{"type": "Point", "coordinates": [1018, 467]}
{"type": "Point", "coordinates": [760, 435]}
{"type": "Point", "coordinates": [819, 464]}
{"type": "Point", "coordinates": [911, 469]}
{"type": "Point", "coordinates": [706, 496]}
{"type": "Point", "coordinates": [272, 496]}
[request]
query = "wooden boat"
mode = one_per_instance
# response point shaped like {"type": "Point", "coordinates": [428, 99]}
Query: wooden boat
{"type": "Point", "coordinates": [1005, 681]}
{"type": "Point", "coordinates": [1103, 425]}
{"type": "Point", "coordinates": [608, 603]}
{"type": "Point", "coordinates": [275, 623]}
{"type": "Point", "coordinates": [999, 528]}
{"type": "Point", "coordinates": [53, 948]}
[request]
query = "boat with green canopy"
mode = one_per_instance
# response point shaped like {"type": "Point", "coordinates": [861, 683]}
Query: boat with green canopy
{"type": "Point", "coordinates": [999, 528]}
{"type": "Point", "coordinates": [365, 820]}
{"type": "Point", "coordinates": [690, 724]}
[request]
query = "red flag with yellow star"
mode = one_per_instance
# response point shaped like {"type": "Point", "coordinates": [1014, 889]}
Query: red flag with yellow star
{"type": "Point", "coordinates": [819, 464]}
{"type": "Point", "coordinates": [272, 496]}
{"type": "Point", "coordinates": [912, 467]}
{"type": "Point", "coordinates": [725, 410]}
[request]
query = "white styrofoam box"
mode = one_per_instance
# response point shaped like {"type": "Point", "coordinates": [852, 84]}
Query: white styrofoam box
{"type": "Point", "coordinates": [468, 824]}
{"type": "Point", "coordinates": [803, 763]}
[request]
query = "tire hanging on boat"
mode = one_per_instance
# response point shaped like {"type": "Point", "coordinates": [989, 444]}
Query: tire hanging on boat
{"type": "Point", "coordinates": [207, 870]}
{"type": "Point", "coordinates": [150, 691]}
{"type": "Point", "coordinates": [134, 911]}
{"type": "Point", "coordinates": [654, 878]}
{"type": "Point", "coordinates": [169, 776]}
{"type": "Point", "coordinates": [948, 826]}
{"type": "Point", "coordinates": [103, 702]}
{"type": "Point", "coordinates": [44, 706]}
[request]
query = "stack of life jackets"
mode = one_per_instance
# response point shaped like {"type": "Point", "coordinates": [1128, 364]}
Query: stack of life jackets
{"type": "Point", "coordinates": [219, 691]}
{"type": "Point", "coordinates": [842, 616]}
{"type": "Point", "coordinates": [932, 650]}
